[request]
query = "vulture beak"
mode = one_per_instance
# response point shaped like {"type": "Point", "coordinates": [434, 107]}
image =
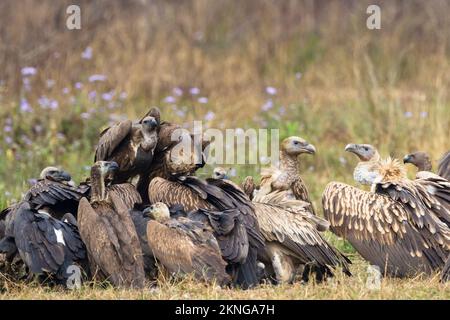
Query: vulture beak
{"type": "Point", "coordinates": [150, 122]}
{"type": "Point", "coordinates": [309, 148]}
{"type": "Point", "coordinates": [407, 159]}
{"type": "Point", "coordinates": [350, 147]}
{"type": "Point", "coordinates": [147, 211]}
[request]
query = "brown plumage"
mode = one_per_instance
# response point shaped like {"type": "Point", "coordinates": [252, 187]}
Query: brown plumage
{"type": "Point", "coordinates": [227, 210]}
{"type": "Point", "coordinates": [131, 145]}
{"type": "Point", "coordinates": [445, 276]}
{"type": "Point", "coordinates": [422, 161]}
{"type": "Point", "coordinates": [286, 176]}
{"type": "Point", "coordinates": [292, 239]}
{"type": "Point", "coordinates": [108, 231]}
{"type": "Point", "coordinates": [248, 186]}
{"type": "Point", "coordinates": [399, 225]}
{"type": "Point", "coordinates": [192, 248]}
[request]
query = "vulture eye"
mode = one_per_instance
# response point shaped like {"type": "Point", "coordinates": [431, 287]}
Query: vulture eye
{"type": "Point", "coordinates": [366, 149]}
{"type": "Point", "coordinates": [295, 142]}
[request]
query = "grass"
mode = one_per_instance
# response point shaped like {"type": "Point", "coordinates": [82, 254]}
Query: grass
{"type": "Point", "coordinates": [337, 82]}
{"type": "Point", "coordinates": [340, 287]}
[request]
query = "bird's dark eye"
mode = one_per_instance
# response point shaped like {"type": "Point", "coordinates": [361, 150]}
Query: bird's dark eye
{"type": "Point", "coordinates": [295, 142]}
{"type": "Point", "coordinates": [366, 149]}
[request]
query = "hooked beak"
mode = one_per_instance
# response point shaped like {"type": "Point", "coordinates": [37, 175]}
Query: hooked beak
{"type": "Point", "coordinates": [309, 148]}
{"type": "Point", "coordinates": [147, 211]}
{"type": "Point", "coordinates": [350, 147]}
{"type": "Point", "coordinates": [407, 159]}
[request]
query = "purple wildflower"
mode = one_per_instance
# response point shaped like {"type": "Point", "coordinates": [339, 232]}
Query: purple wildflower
{"type": "Point", "coordinates": [169, 99]}
{"type": "Point", "coordinates": [181, 113]}
{"type": "Point", "coordinates": [25, 106]}
{"type": "Point", "coordinates": [97, 77]}
{"type": "Point", "coordinates": [209, 116]}
{"type": "Point", "coordinates": [53, 105]}
{"type": "Point", "coordinates": [7, 128]}
{"type": "Point", "coordinates": [8, 140]}
{"type": "Point", "coordinates": [271, 90]}
{"type": "Point", "coordinates": [424, 114]}
{"type": "Point", "coordinates": [203, 100]}
{"type": "Point", "coordinates": [267, 105]}
{"type": "Point", "coordinates": [44, 102]}
{"type": "Point", "coordinates": [65, 90]}
{"type": "Point", "coordinates": [28, 71]}
{"type": "Point", "coordinates": [32, 182]}
{"type": "Point", "coordinates": [108, 96]}
{"type": "Point", "coordinates": [177, 91]}
{"type": "Point", "coordinates": [87, 53]}
{"type": "Point", "coordinates": [194, 91]}
{"type": "Point", "coordinates": [78, 85]}
{"type": "Point", "coordinates": [408, 114]}
{"type": "Point", "coordinates": [26, 140]}
{"type": "Point", "coordinates": [27, 84]}
{"type": "Point", "coordinates": [92, 95]}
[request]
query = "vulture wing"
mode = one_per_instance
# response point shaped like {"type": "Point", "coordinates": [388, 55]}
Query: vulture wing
{"type": "Point", "coordinates": [112, 242]}
{"type": "Point", "coordinates": [248, 186]}
{"type": "Point", "coordinates": [111, 138]}
{"type": "Point", "coordinates": [444, 166]}
{"type": "Point", "coordinates": [298, 237]}
{"type": "Point", "coordinates": [446, 271]}
{"type": "Point", "coordinates": [191, 249]}
{"type": "Point", "coordinates": [127, 193]}
{"type": "Point", "coordinates": [398, 236]}
{"type": "Point", "coordinates": [46, 244]}
{"type": "Point", "coordinates": [217, 195]}
{"type": "Point", "coordinates": [49, 193]}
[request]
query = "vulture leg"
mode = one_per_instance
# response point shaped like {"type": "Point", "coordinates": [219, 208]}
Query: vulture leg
{"type": "Point", "coordinates": [282, 264]}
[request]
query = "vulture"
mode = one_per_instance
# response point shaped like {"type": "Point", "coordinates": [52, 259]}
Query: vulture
{"type": "Point", "coordinates": [107, 229]}
{"type": "Point", "coordinates": [422, 161]}
{"type": "Point", "coordinates": [248, 186]}
{"type": "Point", "coordinates": [446, 271]}
{"type": "Point", "coordinates": [227, 211]}
{"type": "Point", "coordinates": [184, 246]}
{"type": "Point", "coordinates": [400, 225]}
{"type": "Point", "coordinates": [55, 194]}
{"type": "Point", "coordinates": [46, 245]}
{"type": "Point", "coordinates": [293, 239]}
{"type": "Point", "coordinates": [220, 173]}
{"type": "Point", "coordinates": [286, 175]}
{"type": "Point", "coordinates": [131, 145]}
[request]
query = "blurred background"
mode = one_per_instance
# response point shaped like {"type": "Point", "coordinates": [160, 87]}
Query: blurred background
{"type": "Point", "coordinates": [310, 68]}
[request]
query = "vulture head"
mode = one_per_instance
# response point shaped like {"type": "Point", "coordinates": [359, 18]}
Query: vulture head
{"type": "Point", "coordinates": [158, 211]}
{"type": "Point", "coordinates": [104, 171]}
{"type": "Point", "coordinates": [295, 146]}
{"type": "Point", "coordinates": [154, 114]}
{"type": "Point", "coordinates": [187, 156]}
{"type": "Point", "coordinates": [55, 174]}
{"type": "Point", "coordinates": [420, 159]}
{"type": "Point", "coordinates": [220, 173]}
{"type": "Point", "coordinates": [149, 123]}
{"type": "Point", "coordinates": [365, 152]}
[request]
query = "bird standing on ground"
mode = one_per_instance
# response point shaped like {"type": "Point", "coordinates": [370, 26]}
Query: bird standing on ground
{"type": "Point", "coordinates": [108, 231]}
{"type": "Point", "coordinates": [398, 226]}
{"type": "Point", "coordinates": [286, 175]}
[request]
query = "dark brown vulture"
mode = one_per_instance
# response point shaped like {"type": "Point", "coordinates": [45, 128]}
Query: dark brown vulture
{"type": "Point", "coordinates": [107, 229]}
{"type": "Point", "coordinates": [131, 145]}
{"type": "Point", "coordinates": [423, 163]}
{"type": "Point", "coordinates": [46, 245]}
{"type": "Point", "coordinates": [54, 194]}
{"type": "Point", "coordinates": [229, 213]}
{"type": "Point", "coordinates": [286, 175]}
{"type": "Point", "coordinates": [400, 225]}
{"type": "Point", "coordinates": [184, 246]}
{"type": "Point", "coordinates": [292, 239]}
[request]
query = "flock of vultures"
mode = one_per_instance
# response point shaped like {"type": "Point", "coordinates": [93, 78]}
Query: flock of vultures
{"type": "Point", "coordinates": [143, 211]}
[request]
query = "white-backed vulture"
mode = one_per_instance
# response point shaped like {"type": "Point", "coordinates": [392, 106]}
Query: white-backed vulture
{"type": "Point", "coordinates": [399, 225]}
{"type": "Point", "coordinates": [46, 245]}
{"type": "Point", "coordinates": [422, 161]}
{"type": "Point", "coordinates": [184, 246]}
{"type": "Point", "coordinates": [107, 229]}
{"type": "Point", "coordinates": [54, 193]}
{"type": "Point", "coordinates": [229, 213]}
{"type": "Point", "coordinates": [286, 175]}
{"type": "Point", "coordinates": [131, 145]}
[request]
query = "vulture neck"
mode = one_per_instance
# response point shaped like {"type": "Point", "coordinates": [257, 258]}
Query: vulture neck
{"type": "Point", "coordinates": [289, 163]}
{"type": "Point", "coordinates": [366, 172]}
{"type": "Point", "coordinates": [98, 186]}
{"type": "Point", "coordinates": [425, 166]}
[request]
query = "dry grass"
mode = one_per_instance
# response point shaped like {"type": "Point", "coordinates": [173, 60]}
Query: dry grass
{"type": "Point", "coordinates": [341, 287]}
